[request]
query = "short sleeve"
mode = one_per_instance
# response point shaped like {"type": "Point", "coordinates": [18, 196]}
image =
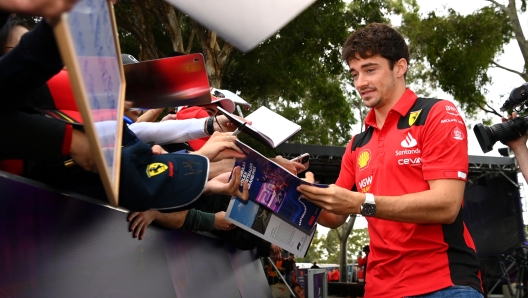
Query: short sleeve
{"type": "Point", "coordinates": [445, 145]}
{"type": "Point", "coordinates": [347, 176]}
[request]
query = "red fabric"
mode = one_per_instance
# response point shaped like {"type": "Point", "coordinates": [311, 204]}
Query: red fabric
{"type": "Point", "coordinates": [66, 143]}
{"type": "Point", "coordinates": [335, 275]}
{"type": "Point", "coordinates": [63, 97]}
{"type": "Point", "coordinates": [408, 259]}
{"type": "Point", "coordinates": [13, 166]}
{"type": "Point", "coordinates": [197, 113]}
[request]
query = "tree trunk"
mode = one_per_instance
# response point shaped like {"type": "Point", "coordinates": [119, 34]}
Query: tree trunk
{"type": "Point", "coordinates": [519, 36]}
{"type": "Point", "coordinates": [215, 57]}
{"type": "Point", "coordinates": [343, 248]}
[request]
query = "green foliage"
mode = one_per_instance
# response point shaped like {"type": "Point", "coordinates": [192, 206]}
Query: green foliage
{"type": "Point", "coordinates": [454, 52]}
{"type": "Point", "coordinates": [298, 73]}
{"type": "Point", "coordinates": [315, 251]}
{"type": "Point", "coordinates": [329, 246]}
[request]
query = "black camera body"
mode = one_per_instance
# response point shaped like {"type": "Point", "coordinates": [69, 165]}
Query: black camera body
{"type": "Point", "coordinates": [507, 131]}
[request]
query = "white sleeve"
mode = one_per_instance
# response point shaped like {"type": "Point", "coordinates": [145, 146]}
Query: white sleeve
{"type": "Point", "coordinates": [169, 131]}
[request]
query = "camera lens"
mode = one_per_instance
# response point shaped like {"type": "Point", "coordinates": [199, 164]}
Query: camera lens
{"type": "Point", "coordinates": [487, 136]}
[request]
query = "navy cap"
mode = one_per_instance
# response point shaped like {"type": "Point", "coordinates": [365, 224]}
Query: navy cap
{"type": "Point", "coordinates": [160, 181]}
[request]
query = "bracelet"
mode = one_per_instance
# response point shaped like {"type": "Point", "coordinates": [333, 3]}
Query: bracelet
{"type": "Point", "coordinates": [210, 125]}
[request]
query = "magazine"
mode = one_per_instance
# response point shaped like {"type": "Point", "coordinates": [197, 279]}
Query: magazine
{"type": "Point", "coordinates": [261, 222]}
{"type": "Point", "coordinates": [274, 187]}
{"type": "Point", "coordinates": [267, 127]}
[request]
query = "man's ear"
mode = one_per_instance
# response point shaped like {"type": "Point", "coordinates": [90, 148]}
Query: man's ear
{"type": "Point", "coordinates": [400, 67]}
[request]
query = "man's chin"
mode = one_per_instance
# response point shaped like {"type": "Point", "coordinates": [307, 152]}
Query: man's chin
{"type": "Point", "coordinates": [370, 102]}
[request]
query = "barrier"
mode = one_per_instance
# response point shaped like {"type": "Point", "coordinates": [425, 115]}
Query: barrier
{"type": "Point", "coordinates": [66, 245]}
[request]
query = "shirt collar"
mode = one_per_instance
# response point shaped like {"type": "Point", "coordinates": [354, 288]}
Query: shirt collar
{"type": "Point", "coordinates": [403, 106]}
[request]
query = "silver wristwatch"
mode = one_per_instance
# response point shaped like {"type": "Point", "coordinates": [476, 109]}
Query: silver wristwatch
{"type": "Point", "coordinates": [369, 206]}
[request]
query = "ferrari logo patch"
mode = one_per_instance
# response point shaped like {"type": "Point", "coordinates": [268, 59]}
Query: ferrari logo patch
{"type": "Point", "coordinates": [156, 168]}
{"type": "Point", "coordinates": [413, 116]}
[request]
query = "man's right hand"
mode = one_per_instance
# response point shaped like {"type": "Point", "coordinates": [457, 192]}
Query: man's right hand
{"type": "Point", "coordinates": [80, 151]}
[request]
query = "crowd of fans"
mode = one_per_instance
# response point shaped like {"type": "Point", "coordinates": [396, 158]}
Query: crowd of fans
{"type": "Point", "coordinates": [30, 59]}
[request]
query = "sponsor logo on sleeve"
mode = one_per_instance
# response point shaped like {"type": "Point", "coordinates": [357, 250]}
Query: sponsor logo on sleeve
{"type": "Point", "coordinates": [364, 159]}
{"type": "Point", "coordinates": [457, 134]}
{"type": "Point", "coordinates": [452, 111]}
{"type": "Point", "coordinates": [451, 120]}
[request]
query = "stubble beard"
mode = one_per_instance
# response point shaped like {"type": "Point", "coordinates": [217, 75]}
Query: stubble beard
{"type": "Point", "coordinates": [382, 97]}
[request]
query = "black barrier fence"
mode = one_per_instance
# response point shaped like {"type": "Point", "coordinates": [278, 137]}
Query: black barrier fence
{"type": "Point", "coordinates": [55, 245]}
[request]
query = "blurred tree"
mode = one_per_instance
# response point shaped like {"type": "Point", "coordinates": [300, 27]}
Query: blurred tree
{"type": "Point", "coordinates": [314, 252]}
{"type": "Point", "coordinates": [454, 52]}
{"type": "Point", "coordinates": [297, 72]}
{"type": "Point", "coordinates": [331, 245]}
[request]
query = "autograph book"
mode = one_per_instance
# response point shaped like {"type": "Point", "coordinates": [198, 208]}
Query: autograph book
{"type": "Point", "coordinates": [267, 127]}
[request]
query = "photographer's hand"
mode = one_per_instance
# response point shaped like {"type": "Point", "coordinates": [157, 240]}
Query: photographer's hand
{"type": "Point", "coordinates": [519, 148]}
{"type": "Point", "coordinates": [520, 142]}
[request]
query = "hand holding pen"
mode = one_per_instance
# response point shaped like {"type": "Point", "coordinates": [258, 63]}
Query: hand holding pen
{"type": "Point", "coordinates": [239, 129]}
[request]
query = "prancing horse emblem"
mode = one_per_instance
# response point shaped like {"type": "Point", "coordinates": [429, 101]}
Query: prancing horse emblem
{"type": "Point", "coordinates": [156, 168]}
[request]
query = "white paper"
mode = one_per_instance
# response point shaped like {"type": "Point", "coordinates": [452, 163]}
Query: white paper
{"type": "Point", "coordinates": [251, 217]}
{"type": "Point", "coordinates": [273, 125]}
{"type": "Point", "coordinates": [243, 23]}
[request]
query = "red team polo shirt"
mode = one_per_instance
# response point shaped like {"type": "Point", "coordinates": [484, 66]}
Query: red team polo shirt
{"type": "Point", "coordinates": [422, 139]}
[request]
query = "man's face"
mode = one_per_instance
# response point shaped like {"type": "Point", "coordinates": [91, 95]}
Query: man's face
{"type": "Point", "coordinates": [299, 292]}
{"type": "Point", "coordinates": [373, 79]}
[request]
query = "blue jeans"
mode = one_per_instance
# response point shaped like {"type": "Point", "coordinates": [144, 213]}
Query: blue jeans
{"type": "Point", "coordinates": [453, 292]}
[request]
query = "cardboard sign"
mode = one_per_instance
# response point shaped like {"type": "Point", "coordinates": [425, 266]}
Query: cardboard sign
{"type": "Point", "coordinates": [87, 39]}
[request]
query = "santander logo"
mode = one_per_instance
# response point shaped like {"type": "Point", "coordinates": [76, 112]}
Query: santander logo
{"type": "Point", "coordinates": [409, 141]}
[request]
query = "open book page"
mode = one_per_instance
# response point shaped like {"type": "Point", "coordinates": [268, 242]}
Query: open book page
{"type": "Point", "coordinates": [267, 126]}
{"type": "Point", "coordinates": [261, 222]}
{"type": "Point", "coordinates": [273, 125]}
{"type": "Point", "coordinates": [272, 186]}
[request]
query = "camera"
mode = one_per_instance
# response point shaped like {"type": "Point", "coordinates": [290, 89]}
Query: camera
{"type": "Point", "coordinates": [507, 131]}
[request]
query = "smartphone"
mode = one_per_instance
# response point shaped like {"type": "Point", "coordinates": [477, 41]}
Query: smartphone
{"type": "Point", "coordinates": [303, 159]}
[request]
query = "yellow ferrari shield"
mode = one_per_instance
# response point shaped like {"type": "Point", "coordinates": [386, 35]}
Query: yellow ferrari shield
{"type": "Point", "coordinates": [156, 168]}
{"type": "Point", "coordinates": [413, 116]}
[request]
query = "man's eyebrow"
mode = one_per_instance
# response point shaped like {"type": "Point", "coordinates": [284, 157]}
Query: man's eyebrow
{"type": "Point", "coordinates": [364, 66]}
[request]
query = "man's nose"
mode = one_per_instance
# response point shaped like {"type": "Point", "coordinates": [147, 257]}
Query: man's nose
{"type": "Point", "coordinates": [360, 82]}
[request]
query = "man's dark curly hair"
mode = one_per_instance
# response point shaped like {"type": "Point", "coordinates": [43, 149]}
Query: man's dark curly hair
{"type": "Point", "coordinates": [376, 39]}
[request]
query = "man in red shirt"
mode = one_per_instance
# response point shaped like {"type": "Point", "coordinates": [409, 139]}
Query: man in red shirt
{"type": "Point", "coordinates": [406, 174]}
